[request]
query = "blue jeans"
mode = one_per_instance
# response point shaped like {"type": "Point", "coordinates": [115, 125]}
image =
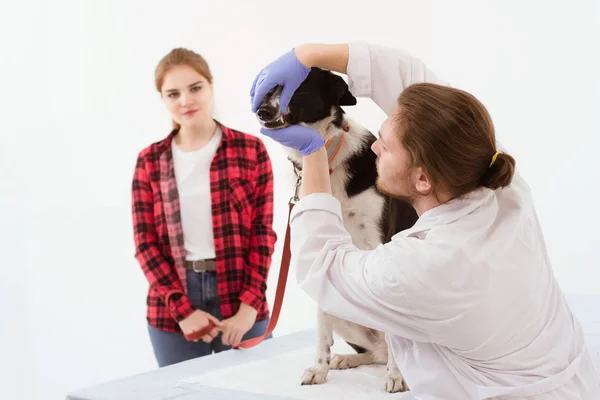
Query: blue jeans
{"type": "Point", "coordinates": [172, 347]}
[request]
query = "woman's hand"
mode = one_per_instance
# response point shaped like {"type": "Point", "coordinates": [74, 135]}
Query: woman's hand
{"type": "Point", "coordinates": [302, 138]}
{"type": "Point", "coordinates": [286, 71]}
{"type": "Point", "coordinates": [233, 329]}
{"type": "Point", "coordinates": [196, 321]}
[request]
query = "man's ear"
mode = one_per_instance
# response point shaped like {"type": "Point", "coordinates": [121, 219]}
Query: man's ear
{"type": "Point", "coordinates": [340, 90]}
{"type": "Point", "coordinates": [423, 184]}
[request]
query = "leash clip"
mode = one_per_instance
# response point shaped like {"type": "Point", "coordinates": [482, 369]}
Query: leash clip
{"type": "Point", "coordinates": [296, 197]}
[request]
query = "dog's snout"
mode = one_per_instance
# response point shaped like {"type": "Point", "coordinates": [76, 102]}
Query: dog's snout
{"type": "Point", "coordinates": [265, 113]}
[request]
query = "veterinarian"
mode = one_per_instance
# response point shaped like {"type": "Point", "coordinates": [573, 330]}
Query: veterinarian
{"type": "Point", "coordinates": [202, 207]}
{"type": "Point", "coordinates": [467, 294]}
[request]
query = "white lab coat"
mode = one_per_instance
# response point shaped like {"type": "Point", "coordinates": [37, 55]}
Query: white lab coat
{"type": "Point", "coordinates": [467, 294]}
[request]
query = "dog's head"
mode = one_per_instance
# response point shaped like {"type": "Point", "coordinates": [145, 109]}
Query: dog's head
{"type": "Point", "coordinates": [321, 95]}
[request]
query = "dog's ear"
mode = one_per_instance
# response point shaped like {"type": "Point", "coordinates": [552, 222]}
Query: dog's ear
{"type": "Point", "coordinates": [340, 90]}
{"type": "Point", "coordinates": [347, 99]}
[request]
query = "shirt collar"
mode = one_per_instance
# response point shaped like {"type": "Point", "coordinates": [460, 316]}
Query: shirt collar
{"type": "Point", "coordinates": [451, 211]}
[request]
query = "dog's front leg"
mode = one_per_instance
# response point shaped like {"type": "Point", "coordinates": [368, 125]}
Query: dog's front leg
{"type": "Point", "coordinates": [318, 374]}
{"type": "Point", "coordinates": [394, 381]}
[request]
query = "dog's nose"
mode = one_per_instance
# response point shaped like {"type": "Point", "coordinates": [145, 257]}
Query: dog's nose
{"type": "Point", "coordinates": [265, 113]}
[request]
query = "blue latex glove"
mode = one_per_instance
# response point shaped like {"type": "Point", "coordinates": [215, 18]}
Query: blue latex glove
{"type": "Point", "coordinates": [304, 139]}
{"type": "Point", "coordinates": [286, 71]}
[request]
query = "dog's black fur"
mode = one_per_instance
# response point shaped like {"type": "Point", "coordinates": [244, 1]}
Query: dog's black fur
{"type": "Point", "coordinates": [312, 102]}
{"type": "Point", "coordinates": [318, 103]}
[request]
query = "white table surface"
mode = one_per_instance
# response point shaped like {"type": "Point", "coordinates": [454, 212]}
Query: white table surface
{"type": "Point", "coordinates": [165, 383]}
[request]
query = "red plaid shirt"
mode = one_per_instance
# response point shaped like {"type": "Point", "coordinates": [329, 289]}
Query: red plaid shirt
{"type": "Point", "coordinates": [242, 203]}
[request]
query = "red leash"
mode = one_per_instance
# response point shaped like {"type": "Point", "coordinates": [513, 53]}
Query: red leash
{"type": "Point", "coordinates": [279, 292]}
{"type": "Point", "coordinates": [283, 274]}
{"type": "Point", "coordinates": [199, 334]}
{"type": "Point", "coordinates": [285, 258]}
{"type": "Point", "coordinates": [283, 269]}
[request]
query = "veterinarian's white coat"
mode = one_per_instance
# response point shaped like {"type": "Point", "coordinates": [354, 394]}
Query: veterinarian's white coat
{"type": "Point", "coordinates": [442, 289]}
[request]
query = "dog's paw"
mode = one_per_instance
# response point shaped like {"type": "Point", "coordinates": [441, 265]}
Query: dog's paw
{"type": "Point", "coordinates": [313, 376]}
{"type": "Point", "coordinates": [342, 362]}
{"type": "Point", "coordinates": [395, 383]}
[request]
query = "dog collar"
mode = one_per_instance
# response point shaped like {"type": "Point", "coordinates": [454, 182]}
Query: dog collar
{"type": "Point", "coordinates": [337, 141]}
{"type": "Point", "coordinates": [340, 140]}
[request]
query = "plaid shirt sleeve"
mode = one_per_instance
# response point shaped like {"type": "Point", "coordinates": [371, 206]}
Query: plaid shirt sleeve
{"type": "Point", "coordinates": [263, 236]}
{"type": "Point", "coordinates": [159, 271]}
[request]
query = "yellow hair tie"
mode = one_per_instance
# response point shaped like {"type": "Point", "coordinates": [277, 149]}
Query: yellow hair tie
{"type": "Point", "coordinates": [494, 158]}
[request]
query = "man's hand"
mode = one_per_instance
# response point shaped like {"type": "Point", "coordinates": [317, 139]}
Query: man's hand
{"type": "Point", "coordinates": [233, 329]}
{"type": "Point", "coordinates": [298, 137]}
{"type": "Point", "coordinates": [198, 320]}
{"type": "Point", "coordinates": [286, 71]}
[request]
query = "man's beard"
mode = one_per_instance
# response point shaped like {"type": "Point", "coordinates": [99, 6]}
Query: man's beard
{"type": "Point", "coordinates": [401, 191]}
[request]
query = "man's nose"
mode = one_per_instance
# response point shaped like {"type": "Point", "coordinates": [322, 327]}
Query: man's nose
{"type": "Point", "coordinates": [375, 147]}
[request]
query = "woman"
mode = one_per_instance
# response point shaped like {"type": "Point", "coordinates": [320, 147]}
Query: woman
{"type": "Point", "coordinates": [202, 213]}
{"type": "Point", "coordinates": [467, 295]}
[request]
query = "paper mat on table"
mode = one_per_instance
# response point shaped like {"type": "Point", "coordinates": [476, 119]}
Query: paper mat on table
{"type": "Point", "coordinates": [280, 376]}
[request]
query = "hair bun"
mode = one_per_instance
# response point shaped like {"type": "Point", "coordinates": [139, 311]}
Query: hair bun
{"type": "Point", "coordinates": [500, 173]}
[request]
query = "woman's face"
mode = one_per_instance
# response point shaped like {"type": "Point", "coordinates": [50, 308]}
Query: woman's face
{"type": "Point", "coordinates": [188, 96]}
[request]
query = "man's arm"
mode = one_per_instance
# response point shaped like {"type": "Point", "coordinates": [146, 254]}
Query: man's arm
{"type": "Point", "coordinates": [371, 288]}
{"type": "Point", "coordinates": [315, 173]}
{"type": "Point", "coordinates": [374, 71]}
{"type": "Point", "coordinates": [333, 57]}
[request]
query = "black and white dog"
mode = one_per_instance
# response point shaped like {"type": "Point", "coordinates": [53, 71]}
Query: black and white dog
{"type": "Point", "coordinates": [370, 216]}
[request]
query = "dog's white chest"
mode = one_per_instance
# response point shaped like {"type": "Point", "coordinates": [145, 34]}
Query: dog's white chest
{"type": "Point", "coordinates": [361, 214]}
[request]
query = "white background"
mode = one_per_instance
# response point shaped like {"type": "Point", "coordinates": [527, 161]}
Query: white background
{"type": "Point", "coordinates": [78, 103]}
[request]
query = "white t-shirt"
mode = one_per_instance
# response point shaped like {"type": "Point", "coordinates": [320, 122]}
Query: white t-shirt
{"type": "Point", "coordinates": [192, 172]}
